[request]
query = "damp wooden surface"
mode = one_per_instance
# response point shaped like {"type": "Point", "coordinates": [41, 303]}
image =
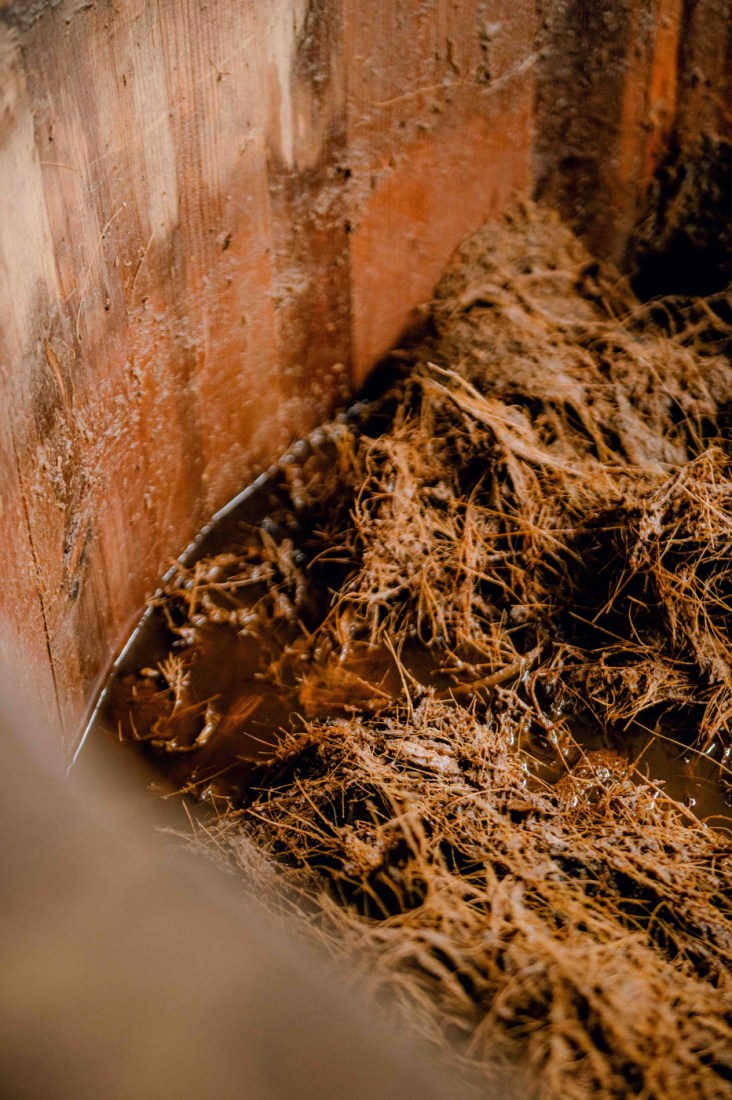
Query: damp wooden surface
{"type": "Point", "coordinates": [619, 88]}
{"type": "Point", "coordinates": [215, 218]}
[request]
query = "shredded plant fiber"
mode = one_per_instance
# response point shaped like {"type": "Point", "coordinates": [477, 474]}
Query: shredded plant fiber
{"type": "Point", "coordinates": [523, 547]}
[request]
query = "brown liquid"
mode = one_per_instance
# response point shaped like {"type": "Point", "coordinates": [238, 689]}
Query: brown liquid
{"type": "Point", "coordinates": [223, 679]}
{"type": "Point", "coordinates": [229, 716]}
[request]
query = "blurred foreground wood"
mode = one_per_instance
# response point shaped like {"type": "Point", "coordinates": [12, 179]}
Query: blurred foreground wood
{"type": "Point", "coordinates": [132, 970]}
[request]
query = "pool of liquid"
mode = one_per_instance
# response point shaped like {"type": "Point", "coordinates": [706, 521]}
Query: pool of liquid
{"type": "Point", "coordinates": [199, 708]}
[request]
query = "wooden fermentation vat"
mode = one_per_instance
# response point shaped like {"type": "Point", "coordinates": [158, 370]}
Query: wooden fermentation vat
{"type": "Point", "coordinates": [216, 217]}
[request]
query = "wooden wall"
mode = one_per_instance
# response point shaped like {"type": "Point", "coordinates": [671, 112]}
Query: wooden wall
{"type": "Point", "coordinates": [622, 87]}
{"type": "Point", "coordinates": [216, 216]}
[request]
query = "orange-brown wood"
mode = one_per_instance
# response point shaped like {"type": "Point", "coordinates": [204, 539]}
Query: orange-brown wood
{"type": "Point", "coordinates": [440, 133]}
{"type": "Point", "coordinates": [215, 218]}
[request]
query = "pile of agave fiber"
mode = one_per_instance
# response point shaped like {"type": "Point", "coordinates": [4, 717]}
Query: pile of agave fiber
{"type": "Point", "coordinates": [538, 541]}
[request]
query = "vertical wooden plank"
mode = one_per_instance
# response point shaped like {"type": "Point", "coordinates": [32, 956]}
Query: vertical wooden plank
{"type": "Point", "coordinates": [106, 496]}
{"type": "Point", "coordinates": [216, 78]}
{"type": "Point", "coordinates": [439, 115]}
{"type": "Point", "coordinates": [579, 111]}
{"type": "Point", "coordinates": [705, 72]}
{"type": "Point", "coordinates": [192, 314]}
{"type": "Point", "coordinates": [26, 285]}
{"type": "Point", "coordinates": [622, 87]}
{"type": "Point", "coordinates": [304, 72]}
{"type": "Point", "coordinates": [24, 651]}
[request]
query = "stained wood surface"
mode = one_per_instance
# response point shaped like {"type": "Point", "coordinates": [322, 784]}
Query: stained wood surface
{"type": "Point", "coordinates": [621, 88]}
{"type": "Point", "coordinates": [215, 217]}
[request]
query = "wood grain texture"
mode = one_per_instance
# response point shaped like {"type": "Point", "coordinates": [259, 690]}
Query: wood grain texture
{"type": "Point", "coordinates": [215, 217]}
{"type": "Point", "coordinates": [440, 130]}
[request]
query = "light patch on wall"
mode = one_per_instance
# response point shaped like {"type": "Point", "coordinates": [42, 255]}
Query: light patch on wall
{"type": "Point", "coordinates": [285, 23]}
{"type": "Point", "coordinates": [26, 246]}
